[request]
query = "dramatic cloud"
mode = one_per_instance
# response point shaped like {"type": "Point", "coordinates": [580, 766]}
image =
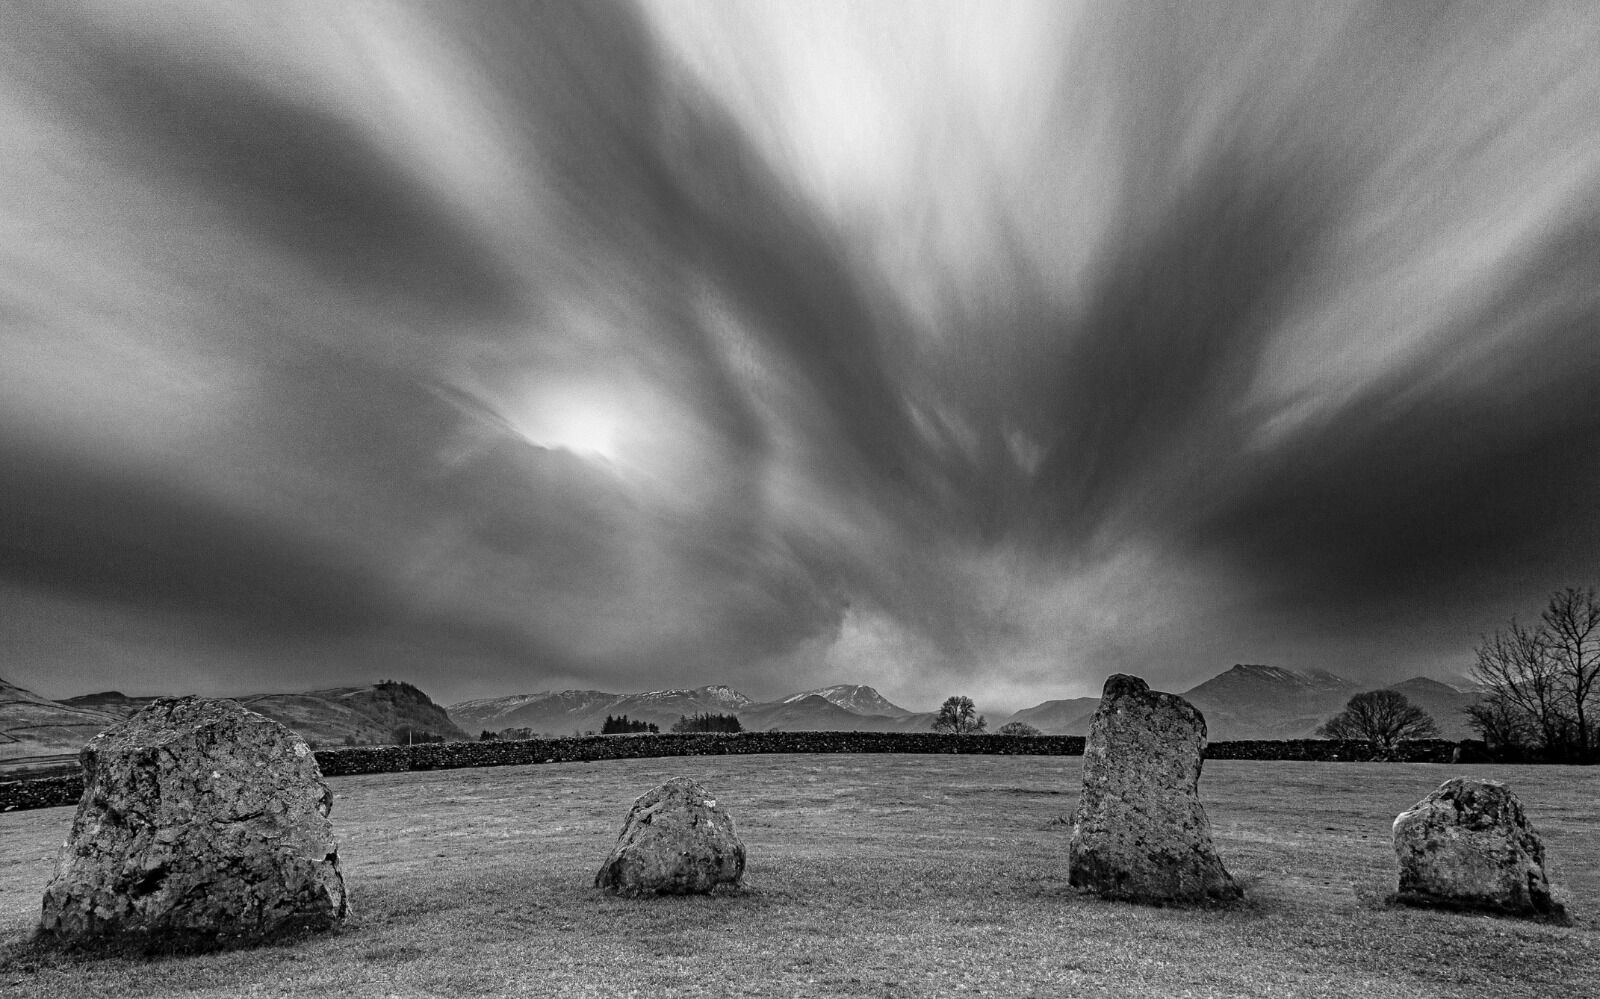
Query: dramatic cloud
{"type": "Point", "coordinates": [936, 346]}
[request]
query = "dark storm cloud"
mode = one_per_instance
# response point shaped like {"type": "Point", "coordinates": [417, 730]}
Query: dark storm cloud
{"type": "Point", "coordinates": [1139, 398]}
{"type": "Point", "coordinates": [1434, 486]}
{"type": "Point", "coordinates": [141, 541]}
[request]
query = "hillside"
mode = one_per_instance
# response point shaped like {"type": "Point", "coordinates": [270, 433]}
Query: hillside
{"type": "Point", "coordinates": [380, 713]}
{"type": "Point", "coordinates": [31, 725]}
{"type": "Point", "coordinates": [1443, 702]}
{"type": "Point", "coordinates": [1062, 717]}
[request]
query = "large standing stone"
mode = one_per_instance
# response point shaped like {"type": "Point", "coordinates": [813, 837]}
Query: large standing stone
{"type": "Point", "coordinates": [676, 841]}
{"type": "Point", "coordinates": [1140, 832]}
{"type": "Point", "coordinates": [202, 825]}
{"type": "Point", "coordinates": [1468, 846]}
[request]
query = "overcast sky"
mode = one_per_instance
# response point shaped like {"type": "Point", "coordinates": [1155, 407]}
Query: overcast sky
{"type": "Point", "coordinates": [944, 347]}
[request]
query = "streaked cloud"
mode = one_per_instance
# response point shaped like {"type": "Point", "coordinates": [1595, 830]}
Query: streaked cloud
{"type": "Point", "coordinates": [928, 345]}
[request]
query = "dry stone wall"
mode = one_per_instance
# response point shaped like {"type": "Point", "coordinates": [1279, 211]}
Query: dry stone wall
{"type": "Point", "coordinates": [51, 792]}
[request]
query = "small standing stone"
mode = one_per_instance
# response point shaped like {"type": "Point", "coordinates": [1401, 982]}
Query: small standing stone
{"type": "Point", "coordinates": [1468, 846]}
{"type": "Point", "coordinates": [202, 825]}
{"type": "Point", "coordinates": [1140, 832]}
{"type": "Point", "coordinates": [676, 841]}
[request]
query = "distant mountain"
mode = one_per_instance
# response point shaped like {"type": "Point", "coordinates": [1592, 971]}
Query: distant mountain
{"type": "Point", "coordinates": [32, 725]}
{"type": "Point", "coordinates": [1269, 702]}
{"type": "Point", "coordinates": [555, 712]}
{"type": "Point", "coordinates": [810, 713]}
{"type": "Point", "coordinates": [566, 711]}
{"type": "Point", "coordinates": [854, 697]}
{"type": "Point", "coordinates": [844, 707]}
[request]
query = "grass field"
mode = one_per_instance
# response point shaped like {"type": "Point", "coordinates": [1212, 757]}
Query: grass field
{"type": "Point", "coordinates": [868, 876]}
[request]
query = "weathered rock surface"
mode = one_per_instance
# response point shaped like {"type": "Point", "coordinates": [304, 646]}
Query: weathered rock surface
{"type": "Point", "coordinates": [1140, 832]}
{"type": "Point", "coordinates": [202, 825]}
{"type": "Point", "coordinates": [1468, 846]}
{"type": "Point", "coordinates": [676, 841]}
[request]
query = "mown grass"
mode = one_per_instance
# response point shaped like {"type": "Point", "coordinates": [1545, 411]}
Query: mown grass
{"type": "Point", "coordinates": [868, 876]}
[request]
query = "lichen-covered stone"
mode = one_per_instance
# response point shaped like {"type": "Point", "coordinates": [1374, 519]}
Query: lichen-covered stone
{"type": "Point", "coordinates": [1469, 846]}
{"type": "Point", "coordinates": [202, 825]}
{"type": "Point", "coordinates": [676, 840]}
{"type": "Point", "coordinates": [1140, 832]}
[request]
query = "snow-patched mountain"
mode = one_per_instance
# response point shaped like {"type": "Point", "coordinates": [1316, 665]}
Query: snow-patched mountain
{"type": "Point", "coordinates": [809, 713]}
{"type": "Point", "coordinates": [855, 697]}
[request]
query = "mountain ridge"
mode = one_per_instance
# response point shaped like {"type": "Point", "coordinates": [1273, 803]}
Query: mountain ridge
{"type": "Point", "coordinates": [1247, 701]}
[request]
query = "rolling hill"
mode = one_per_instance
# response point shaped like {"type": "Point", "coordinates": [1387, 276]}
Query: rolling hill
{"type": "Point", "coordinates": [31, 725]}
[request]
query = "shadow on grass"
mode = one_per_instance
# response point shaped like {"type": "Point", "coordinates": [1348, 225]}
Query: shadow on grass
{"type": "Point", "coordinates": [41, 951]}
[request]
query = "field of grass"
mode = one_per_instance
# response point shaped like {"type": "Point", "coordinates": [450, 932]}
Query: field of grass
{"type": "Point", "coordinates": [868, 876]}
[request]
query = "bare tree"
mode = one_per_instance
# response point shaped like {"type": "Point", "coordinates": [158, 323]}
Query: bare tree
{"type": "Point", "coordinates": [1505, 727]}
{"type": "Point", "coordinates": [957, 715]}
{"type": "Point", "coordinates": [1518, 676]}
{"type": "Point", "coordinates": [1382, 717]}
{"type": "Point", "coordinates": [1572, 640]}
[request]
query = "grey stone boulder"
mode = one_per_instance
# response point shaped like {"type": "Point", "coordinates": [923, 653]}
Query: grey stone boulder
{"type": "Point", "coordinates": [1469, 846]}
{"type": "Point", "coordinates": [676, 840]}
{"type": "Point", "coordinates": [1140, 832]}
{"type": "Point", "coordinates": [202, 825]}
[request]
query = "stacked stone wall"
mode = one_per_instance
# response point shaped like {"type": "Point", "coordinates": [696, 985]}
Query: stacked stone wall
{"type": "Point", "coordinates": [52, 792]}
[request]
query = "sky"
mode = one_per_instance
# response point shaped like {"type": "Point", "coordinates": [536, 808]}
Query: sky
{"type": "Point", "coordinates": [939, 346]}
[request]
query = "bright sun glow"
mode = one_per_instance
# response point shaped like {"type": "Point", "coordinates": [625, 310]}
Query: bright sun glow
{"type": "Point", "coordinates": [585, 422]}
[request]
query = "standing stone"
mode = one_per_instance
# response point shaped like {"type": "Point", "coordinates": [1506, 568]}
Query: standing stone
{"type": "Point", "coordinates": [1468, 846]}
{"type": "Point", "coordinates": [676, 841]}
{"type": "Point", "coordinates": [1140, 832]}
{"type": "Point", "coordinates": [202, 825]}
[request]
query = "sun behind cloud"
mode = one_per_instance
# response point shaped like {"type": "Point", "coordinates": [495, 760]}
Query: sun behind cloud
{"type": "Point", "coordinates": [586, 420]}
